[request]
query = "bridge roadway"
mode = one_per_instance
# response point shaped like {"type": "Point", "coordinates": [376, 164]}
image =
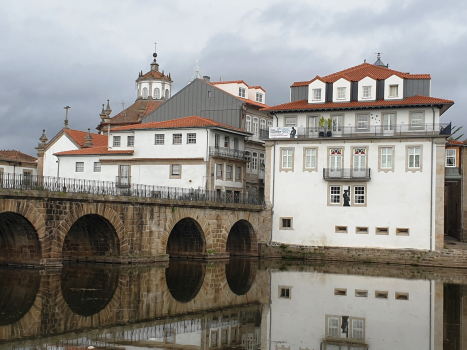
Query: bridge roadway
{"type": "Point", "coordinates": [41, 228]}
{"type": "Point", "coordinates": [198, 302]}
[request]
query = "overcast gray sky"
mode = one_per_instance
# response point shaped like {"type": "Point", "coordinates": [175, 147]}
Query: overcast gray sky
{"type": "Point", "coordinates": [56, 53]}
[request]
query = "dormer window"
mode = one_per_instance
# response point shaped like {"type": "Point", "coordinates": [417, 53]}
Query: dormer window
{"type": "Point", "coordinates": [316, 94]}
{"type": "Point", "coordinates": [241, 92]}
{"type": "Point", "coordinates": [259, 97]}
{"type": "Point", "coordinates": [393, 90]}
{"type": "Point", "coordinates": [341, 93]}
{"type": "Point", "coordinates": [366, 92]}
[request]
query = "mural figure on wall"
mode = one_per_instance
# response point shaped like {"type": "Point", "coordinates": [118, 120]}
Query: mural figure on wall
{"type": "Point", "coordinates": [346, 196]}
{"type": "Point", "coordinates": [345, 325]}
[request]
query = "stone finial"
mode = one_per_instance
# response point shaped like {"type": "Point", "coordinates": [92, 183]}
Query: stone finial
{"type": "Point", "coordinates": [107, 109]}
{"type": "Point", "coordinates": [102, 115]}
{"type": "Point", "coordinates": [88, 139]}
{"type": "Point", "coordinates": [43, 139]}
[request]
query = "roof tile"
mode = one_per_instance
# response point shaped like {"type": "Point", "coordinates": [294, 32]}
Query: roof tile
{"type": "Point", "coordinates": [78, 136]}
{"type": "Point", "coordinates": [94, 150]}
{"type": "Point", "coordinates": [16, 156]}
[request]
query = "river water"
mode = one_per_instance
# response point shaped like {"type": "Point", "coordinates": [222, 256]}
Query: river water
{"type": "Point", "coordinates": [238, 304]}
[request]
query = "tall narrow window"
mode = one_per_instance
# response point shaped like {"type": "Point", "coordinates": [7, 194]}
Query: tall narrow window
{"type": "Point", "coordinates": [259, 97]}
{"type": "Point", "coordinates": [238, 173]}
{"type": "Point", "coordinates": [117, 141]}
{"type": "Point", "coordinates": [255, 162]}
{"type": "Point", "coordinates": [335, 159]}
{"type": "Point", "coordinates": [248, 163]}
{"type": "Point", "coordinates": [167, 94]}
{"type": "Point", "coordinates": [386, 158]}
{"type": "Point", "coordinates": [366, 92]}
{"type": "Point", "coordinates": [310, 158]}
{"type": "Point", "coordinates": [157, 93]}
{"type": "Point", "coordinates": [145, 93]}
{"type": "Point", "coordinates": [316, 94]}
{"type": "Point", "coordinates": [130, 141]}
{"type": "Point", "coordinates": [269, 124]}
{"type": "Point", "coordinates": [336, 123]}
{"type": "Point", "coordinates": [241, 92]}
{"type": "Point", "coordinates": [261, 161]}
{"type": "Point", "coordinates": [341, 93]}
{"type": "Point", "coordinates": [389, 121]}
{"type": "Point", "coordinates": [333, 327]}
{"type": "Point", "coordinates": [217, 140]}
{"type": "Point", "coordinates": [255, 125]}
{"type": "Point", "coordinates": [357, 329]}
{"type": "Point", "coordinates": [359, 159]}
{"type": "Point", "coordinates": [287, 158]}
{"type": "Point", "coordinates": [236, 143]}
{"type": "Point", "coordinates": [450, 157]}
{"type": "Point", "coordinates": [227, 142]}
{"type": "Point", "coordinates": [248, 123]}
{"type": "Point", "coordinates": [263, 124]}
{"type": "Point", "coordinates": [228, 172]}
{"type": "Point", "coordinates": [175, 169]}
{"type": "Point", "coordinates": [414, 157]}
{"type": "Point", "coordinates": [219, 170]}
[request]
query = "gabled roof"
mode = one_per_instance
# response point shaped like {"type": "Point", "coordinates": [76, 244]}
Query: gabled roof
{"type": "Point", "coordinates": [361, 71]}
{"type": "Point", "coordinates": [229, 82]}
{"type": "Point", "coordinates": [187, 122]}
{"type": "Point", "coordinates": [132, 114]}
{"type": "Point", "coordinates": [78, 136]}
{"type": "Point", "coordinates": [257, 87]}
{"type": "Point", "coordinates": [251, 102]}
{"type": "Point", "coordinates": [93, 151]}
{"type": "Point", "coordinates": [409, 101]}
{"type": "Point", "coordinates": [16, 156]}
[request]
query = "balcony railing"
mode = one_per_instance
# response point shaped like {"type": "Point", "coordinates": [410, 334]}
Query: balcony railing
{"type": "Point", "coordinates": [123, 181]}
{"type": "Point", "coordinates": [227, 153]}
{"type": "Point", "coordinates": [330, 174]}
{"type": "Point", "coordinates": [121, 188]}
{"type": "Point", "coordinates": [370, 131]}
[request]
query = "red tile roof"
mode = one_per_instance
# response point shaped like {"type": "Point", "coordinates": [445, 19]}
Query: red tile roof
{"type": "Point", "coordinates": [154, 74]}
{"type": "Point", "coordinates": [251, 102]}
{"type": "Point", "coordinates": [187, 122]}
{"type": "Point", "coordinates": [229, 82]}
{"type": "Point", "coordinates": [134, 113]}
{"type": "Point", "coordinates": [361, 71]}
{"type": "Point", "coordinates": [257, 87]}
{"type": "Point", "coordinates": [78, 136]}
{"type": "Point", "coordinates": [455, 142]}
{"type": "Point", "coordinates": [409, 101]}
{"type": "Point", "coordinates": [94, 150]}
{"type": "Point", "coordinates": [16, 156]}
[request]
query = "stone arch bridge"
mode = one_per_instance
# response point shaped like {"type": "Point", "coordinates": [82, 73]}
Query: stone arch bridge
{"type": "Point", "coordinates": [39, 228]}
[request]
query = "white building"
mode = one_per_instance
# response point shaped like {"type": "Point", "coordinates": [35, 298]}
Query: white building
{"type": "Point", "coordinates": [313, 310]}
{"type": "Point", "coordinates": [191, 152]}
{"type": "Point", "coordinates": [17, 163]}
{"type": "Point", "coordinates": [356, 159]}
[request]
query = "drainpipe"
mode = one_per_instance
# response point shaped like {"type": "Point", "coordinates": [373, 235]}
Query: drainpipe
{"type": "Point", "coordinates": [273, 181]}
{"type": "Point", "coordinates": [431, 194]}
{"type": "Point", "coordinates": [58, 166]}
{"type": "Point", "coordinates": [207, 158]}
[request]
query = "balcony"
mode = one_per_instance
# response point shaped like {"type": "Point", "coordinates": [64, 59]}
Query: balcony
{"type": "Point", "coordinates": [225, 152]}
{"type": "Point", "coordinates": [347, 174]}
{"type": "Point", "coordinates": [355, 132]}
{"type": "Point", "coordinates": [123, 181]}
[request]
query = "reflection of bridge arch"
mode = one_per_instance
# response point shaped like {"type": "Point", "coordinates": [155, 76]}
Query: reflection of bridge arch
{"type": "Point", "coordinates": [184, 279]}
{"type": "Point", "coordinates": [186, 238]}
{"type": "Point", "coordinates": [241, 274]}
{"type": "Point", "coordinates": [241, 239]}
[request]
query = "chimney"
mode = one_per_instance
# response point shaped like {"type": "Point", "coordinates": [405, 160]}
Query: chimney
{"type": "Point", "coordinates": [207, 79]}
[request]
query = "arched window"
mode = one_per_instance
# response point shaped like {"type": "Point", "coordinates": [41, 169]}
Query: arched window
{"type": "Point", "coordinates": [145, 93]}
{"type": "Point", "coordinates": [157, 93]}
{"type": "Point", "coordinates": [166, 94]}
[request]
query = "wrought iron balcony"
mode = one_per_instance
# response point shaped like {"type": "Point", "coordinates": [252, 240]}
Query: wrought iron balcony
{"type": "Point", "coordinates": [330, 174]}
{"type": "Point", "coordinates": [225, 152]}
{"type": "Point", "coordinates": [123, 181]}
{"type": "Point", "coordinates": [368, 131]}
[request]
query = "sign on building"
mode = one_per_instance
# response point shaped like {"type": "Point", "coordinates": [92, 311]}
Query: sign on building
{"type": "Point", "coordinates": [285, 132]}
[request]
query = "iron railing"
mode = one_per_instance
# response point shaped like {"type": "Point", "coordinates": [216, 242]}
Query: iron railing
{"type": "Point", "coordinates": [68, 185]}
{"type": "Point", "coordinates": [123, 181]}
{"type": "Point", "coordinates": [227, 153]}
{"type": "Point", "coordinates": [331, 174]}
{"type": "Point", "coordinates": [369, 131]}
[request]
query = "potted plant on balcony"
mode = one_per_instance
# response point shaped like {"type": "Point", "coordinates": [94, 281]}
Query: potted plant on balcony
{"type": "Point", "coordinates": [329, 125]}
{"type": "Point", "coordinates": [321, 124]}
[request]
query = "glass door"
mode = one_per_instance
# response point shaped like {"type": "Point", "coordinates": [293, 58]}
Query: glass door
{"type": "Point", "coordinates": [313, 126]}
{"type": "Point", "coordinates": [335, 163]}
{"type": "Point", "coordinates": [124, 179]}
{"type": "Point", "coordinates": [359, 162]}
{"type": "Point", "coordinates": [336, 127]}
{"type": "Point", "coordinates": [389, 124]}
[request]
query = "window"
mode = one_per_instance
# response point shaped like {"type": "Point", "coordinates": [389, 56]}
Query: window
{"type": "Point", "coordinates": [366, 92]}
{"type": "Point", "coordinates": [241, 92]}
{"type": "Point", "coordinates": [248, 123]}
{"type": "Point", "coordinates": [310, 158]}
{"type": "Point", "coordinates": [117, 141]}
{"type": "Point", "coordinates": [335, 160]}
{"type": "Point", "coordinates": [209, 94]}
{"type": "Point", "coordinates": [335, 194]}
{"type": "Point", "coordinates": [389, 121]}
{"type": "Point", "coordinates": [229, 172]}
{"type": "Point", "coordinates": [214, 338]}
{"type": "Point", "coordinates": [386, 157]}
{"type": "Point", "coordinates": [360, 293]}
{"type": "Point", "coordinates": [290, 121]}
{"type": "Point", "coordinates": [238, 173]}
{"type": "Point", "coordinates": [145, 93]}
{"type": "Point", "coordinates": [191, 138]}
{"type": "Point", "coordinates": [255, 162]}
{"type": "Point", "coordinates": [361, 230]}
{"type": "Point", "coordinates": [382, 230]}
{"type": "Point", "coordinates": [157, 93]}
{"type": "Point", "coordinates": [263, 124]}
{"type": "Point", "coordinates": [255, 125]}
{"type": "Point", "coordinates": [247, 156]}
{"type": "Point", "coordinates": [166, 94]}
{"type": "Point", "coordinates": [175, 169]}
{"type": "Point", "coordinates": [414, 158]}
{"type": "Point", "coordinates": [363, 122]}
{"type": "Point", "coordinates": [259, 97]}
{"type": "Point", "coordinates": [379, 294]}
{"type": "Point", "coordinates": [130, 141]}
{"type": "Point", "coordinates": [333, 327]}
{"type": "Point", "coordinates": [286, 223]}
{"type": "Point", "coordinates": [359, 161]}
{"type": "Point", "coordinates": [97, 167]}
{"type": "Point", "coordinates": [159, 139]}
{"type": "Point", "coordinates": [450, 157]}
{"type": "Point", "coordinates": [269, 124]}
{"type": "Point", "coordinates": [357, 329]}
{"type": "Point", "coordinates": [340, 291]}
{"type": "Point", "coordinates": [341, 93]}
{"type": "Point", "coordinates": [236, 143]}
{"type": "Point", "coordinates": [219, 170]}
{"type": "Point", "coordinates": [261, 161]}
{"type": "Point", "coordinates": [359, 194]}
{"type": "Point", "coordinates": [177, 139]}
{"type": "Point", "coordinates": [287, 159]}
{"type": "Point", "coordinates": [340, 229]}
{"type": "Point", "coordinates": [79, 167]}
{"type": "Point", "coordinates": [416, 119]}
{"type": "Point", "coordinates": [393, 90]}
{"type": "Point", "coordinates": [217, 140]}
{"type": "Point", "coordinates": [402, 231]}
{"type": "Point", "coordinates": [226, 142]}
{"type": "Point", "coordinates": [402, 296]}
{"type": "Point", "coordinates": [316, 94]}
{"type": "Point", "coordinates": [224, 336]}
{"type": "Point", "coordinates": [284, 292]}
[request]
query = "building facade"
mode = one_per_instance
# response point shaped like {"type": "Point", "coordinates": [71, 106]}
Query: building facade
{"type": "Point", "coordinates": [17, 163]}
{"type": "Point", "coordinates": [356, 159]}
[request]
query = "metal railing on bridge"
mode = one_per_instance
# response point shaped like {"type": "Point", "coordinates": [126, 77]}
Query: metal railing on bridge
{"type": "Point", "coordinates": [69, 185]}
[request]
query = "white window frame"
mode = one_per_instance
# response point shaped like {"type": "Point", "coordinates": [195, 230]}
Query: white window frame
{"type": "Point", "coordinates": [157, 93]}
{"type": "Point", "coordinates": [316, 94]}
{"type": "Point", "coordinates": [335, 193]}
{"type": "Point", "coordinates": [262, 161]}
{"type": "Point", "coordinates": [145, 93]}
{"type": "Point", "coordinates": [79, 167]}
{"type": "Point", "coordinates": [248, 123]}
{"type": "Point", "coordinates": [167, 94]}
{"type": "Point", "coordinates": [241, 92]}
{"type": "Point", "coordinates": [419, 120]}
{"type": "Point", "coordinates": [130, 141]}
{"type": "Point", "coordinates": [366, 92]}
{"type": "Point", "coordinates": [287, 158]}
{"type": "Point", "coordinates": [255, 125]}
{"type": "Point", "coordinates": [341, 91]}
{"type": "Point", "coordinates": [248, 163]}
{"type": "Point", "coordinates": [263, 124]}
{"type": "Point", "coordinates": [229, 172]}
{"type": "Point", "coordinates": [159, 139]}
{"type": "Point", "coordinates": [191, 138]}
{"type": "Point", "coordinates": [359, 193]}
{"type": "Point", "coordinates": [363, 122]}
{"type": "Point", "coordinates": [219, 170]}
{"type": "Point", "coordinates": [353, 329]}
{"type": "Point", "coordinates": [254, 163]}
{"type": "Point", "coordinates": [335, 333]}
{"type": "Point", "coordinates": [175, 169]}
{"type": "Point", "coordinates": [116, 141]}
{"type": "Point", "coordinates": [394, 87]}
{"type": "Point", "coordinates": [288, 121]}
{"type": "Point", "coordinates": [451, 157]}
{"type": "Point", "coordinates": [217, 140]}
{"type": "Point", "coordinates": [414, 153]}
{"type": "Point", "coordinates": [387, 157]}
{"type": "Point", "coordinates": [97, 167]}
{"type": "Point", "coordinates": [177, 139]}
{"type": "Point", "coordinates": [269, 124]}
{"type": "Point", "coordinates": [259, 97]}
{"type": "Point", "coordinates": [310, 158]}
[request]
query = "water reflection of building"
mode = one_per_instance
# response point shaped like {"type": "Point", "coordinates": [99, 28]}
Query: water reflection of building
{"type": "Point", "coordinates": [337, 312]}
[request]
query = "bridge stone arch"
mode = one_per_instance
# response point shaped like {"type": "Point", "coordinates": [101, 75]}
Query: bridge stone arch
{"type": "Point", "coordinates": [95, 211]}
{"type": "Point", "coordinates": [241, 235]}
{"type": "Point", "coordinates": [22, 232]}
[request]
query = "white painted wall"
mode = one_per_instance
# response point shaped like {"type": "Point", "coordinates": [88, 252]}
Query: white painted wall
{"type": "Point", "coordinates": [300, 322]}
{"type": "Point", "coordinates": [50, 161]}
{"type": "Point", "coordinates": [393, 80]}
{"type": "Point", "coordinates": [367, 81]}
{"type": "Point", "coordinates": [317, 84]}
{"type": "Point", "coordinates": [252, 94]}
{"type": "Point", "coordinates": [341, 83]}
{"type": "Point", "coordinates": [68, 168]}
{"type": "Point", "coordinates": [18, 170]}
{"type": "Point", "coordinates": [161, 85]}
{"type": "Point", "coordinates": [232, 88]}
